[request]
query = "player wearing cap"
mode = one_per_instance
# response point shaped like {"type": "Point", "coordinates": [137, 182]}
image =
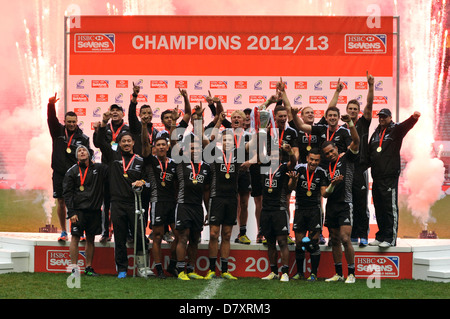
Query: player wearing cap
{"type": "Point", "coordinates": [113, 130]}
{"type": "Point", "coordinates": [384, 156]}
{"type": "Point", "coordinates": [309, 182]}
{"type": "Point", "coordinates": [83, 189]}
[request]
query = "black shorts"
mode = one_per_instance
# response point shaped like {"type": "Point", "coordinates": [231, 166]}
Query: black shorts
{"type": "Point", "coordinates": [162, 213]}
{"type": "Point", "coordinates": [189, 216]}
{"type": "Point", "coordinates": [222, 211]}
{"type": "Point", "coordinates": [307, 219]}
{"type": "Point", "coordinates": [244, 184]}
{"type": "Point", "coordinates": [89, 222]}
{"type": "Point", "coordinates": [338, 218]}
{"type": "Point", "coordinates": [57, 180]}
{"type": "Point", "coordinates": [274, 223]}
{"type": "Point", "coordinates": [255, 177]}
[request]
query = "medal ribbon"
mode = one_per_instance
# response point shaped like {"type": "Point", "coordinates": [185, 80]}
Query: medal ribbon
{"type": "Point", "coordinates": [309, 138]}
{"type": "Point", "coordinates": [116, 133]}
{"type": "Point", "coordinates": [271, 175]}
{"type": "Point", "coordinates": [328, 134]}
{"type": "Point", "coordinates": [193, 169]}
{"type": "Point", "coordinates": [240, 138]}
{"type": "Point", "coordinates": [70, 139]}
{"type": "Point", "coordinates": [334, 169]}
{"type": "Point", "coordinates": [381, 137]}
{"type": "Point", "coordinates": [82, 178]}
{"type": "Point", "coordinates": [228, 164]}
{"type": "Point", "coordinates": [125, 169]}
{"type": "Point", "coordinates": [165, 169]}
{"type": "Point", "coordinates": [309, 180]}
{"type": "Point", "coordinates": [280, 140]}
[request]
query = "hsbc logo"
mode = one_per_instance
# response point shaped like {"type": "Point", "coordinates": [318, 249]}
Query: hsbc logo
{"type": "Point", "coordinates": [385, 266]}
{"type": "Point", "coordinates": [95, 42]}
{"type": "Point", "coordinates": [365, 43]}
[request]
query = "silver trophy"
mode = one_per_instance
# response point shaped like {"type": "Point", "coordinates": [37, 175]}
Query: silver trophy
{"type": "Point", "coordinates": [264, 117]}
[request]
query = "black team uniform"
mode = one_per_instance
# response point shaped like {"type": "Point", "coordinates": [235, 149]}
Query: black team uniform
{"type": "Point", "coordinates": [385, 169]}
{"type": "Point", "coordinates": [124, 169]}
{"type": "Point", "coordinates": [308, 212]}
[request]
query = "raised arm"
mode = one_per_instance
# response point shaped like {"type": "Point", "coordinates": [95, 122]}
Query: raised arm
{"type": "Point", "coordinates": [145, 140]}
{"type": "Point", "coordinates": [301, 126]}
{"type": "Point", "coordinates": [354, 145]}
{"type": "Point", "coordinates": [133, 121]}
{"type": "Point", "coordinates": [187, 105]}
{"type": "Point", "coordinates": [369, 106]}
{"type": "Point", "coordinates": [335, 98]}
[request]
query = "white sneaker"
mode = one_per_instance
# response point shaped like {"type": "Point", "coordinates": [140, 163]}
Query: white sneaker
{"type": "Point", "coordinates": [384, 244]}
{"type": "Point", "coordinates": [144, 272]}
{"type": "Point", "coordinates": [335, 278]}
{"type": "Point", "coordinates": [284, 278]}
{"type": "Point", "coordinates": [350, 279]}
{"type": "Point", "coordinates": [271, 276]}
{"type": "Point", "coordinates": [375, 243]}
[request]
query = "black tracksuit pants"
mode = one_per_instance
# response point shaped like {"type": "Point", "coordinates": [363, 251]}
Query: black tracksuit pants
{"type": "Point", "coordinates": [385, 200]}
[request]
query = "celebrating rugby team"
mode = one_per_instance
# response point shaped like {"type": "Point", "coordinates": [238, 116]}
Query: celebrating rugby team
{"type": "Point", "coordinates": [216, 167]}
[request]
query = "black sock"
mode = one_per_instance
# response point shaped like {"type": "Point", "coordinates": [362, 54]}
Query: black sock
{"type": "Point", "coordinates": [338, 268]}
{"type": "Point", "coordinates": [351, 269]}
{"type": "Point", "coordinates": [315, 259]}
{"type": "Point", "coordinates": [180, 266]}
{"type": "Point", "coordinates": [274, 269]}
{"type": "Point", "coordinates": [224, 264]}
{"type": "Point", "coordinates": [212, 263]}
{"type": "Point", "coordinates": [284, 269]}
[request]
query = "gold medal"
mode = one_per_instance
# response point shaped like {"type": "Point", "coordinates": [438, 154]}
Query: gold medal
{"type": "Point", "coordinates": [270, 190]}
{"type": "Point", "coordinates": [379, 149]}
{"type": "Point", "coordinates": [308, 193]}
{"type": "Point", "coordinates": [163, 183]}
{"type": "Point", "coordinates": [308, 148]}
{"type": "Point", "coordinates": [194, 181]}
{"type": "Point", "coordinates": [125, 175]}
{"type": "Point", "coordinates": [82, 188]}
{"type": "Point", "coordinates": [227, 176]}
{"type": "Point", "coordinates": [68, 150]}
{"type": "Point", "coordinates": [112, 142]}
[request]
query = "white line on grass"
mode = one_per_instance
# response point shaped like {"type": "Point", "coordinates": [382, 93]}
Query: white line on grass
{"type": "Point", "coordinates": [210, 290]}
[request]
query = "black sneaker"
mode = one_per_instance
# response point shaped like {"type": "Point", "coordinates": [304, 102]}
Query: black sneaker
{"type": "Point", "coordinates": [89, 271]}
{"type": "Point", "coordinates": [161, 274]}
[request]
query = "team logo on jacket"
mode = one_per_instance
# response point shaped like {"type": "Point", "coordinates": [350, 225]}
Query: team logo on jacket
{"type": "Point", "coordinates": [95, 42]}
{"type": "Point", "coordinates": [365, 43]}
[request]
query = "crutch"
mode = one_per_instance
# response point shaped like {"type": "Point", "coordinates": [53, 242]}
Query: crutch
{"type": "Point", "coordinates": [139, 211]}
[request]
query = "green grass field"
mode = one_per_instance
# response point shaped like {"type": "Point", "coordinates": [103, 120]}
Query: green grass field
{"type": "Point", "coordinates": [54, 286]}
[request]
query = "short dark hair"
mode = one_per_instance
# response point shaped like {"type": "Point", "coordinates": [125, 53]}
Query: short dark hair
{"type": "Point", "coordinates": [353, 101]}
{"type": "Point", "coordinates": [327, 143]}
{"type": "Point", "coordinates": [121, 135]}
{"type": "Point", "coordinates": [71, 113]}
{"type": "Point", "coordinates": [160, 138]}
{"type": "Point", "coordinates": [332, 108]}
{"type": "Point", "coordinates": [144, 107]}
{"type": "Point", "coordinates": [164, 113]}
{"type": "Point", "coordinates": [314, 151]}
{"type": "Point", "coordinates": [279, 108]}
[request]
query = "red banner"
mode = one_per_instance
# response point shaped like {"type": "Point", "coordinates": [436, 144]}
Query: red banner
{"type": "Point", "coordinates": [230, 45]}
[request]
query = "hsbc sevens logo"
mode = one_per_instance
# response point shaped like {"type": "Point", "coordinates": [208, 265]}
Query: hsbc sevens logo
{"type": "Point", "coordinates": [365, 43]}
{"type": "Point", "coordinates": [95, 42]}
